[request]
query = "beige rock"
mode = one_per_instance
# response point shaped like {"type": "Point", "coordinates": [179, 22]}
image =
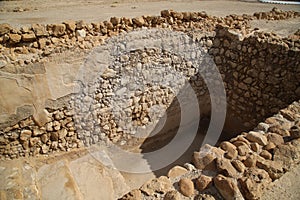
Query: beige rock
{"type": "Point", "coordinates": [227, 187]}
{"type": "Point", "coordinates": [254, 182]}
{"type": "Point", "coordinates": [172, 195]}
{"type": "Point", "coordinates": [58, 29]}
{"type": "Point", "coordinates": [161, 185]}
{"type": "Point", "coordinates": [239, 166]}
{"type": "Point", "coordinates": [250, 161]}
{"type": "Point", "coordinates": [177, 171]}
{"type": "Point", "coordinates": [205, 159]}
{"type": "Point", "coordinates": [230, 149]}
{"type": "Point", "coordinates": [257, 137]}
{"type": "Point", "coordinates": [70, 25]}
{"type": "Point", "coordinates": [165, 13]}
{"type": "Point", "coordinates": [39, 30]}
{"type": "Point", "coordinates": [203, 182]}
{"type": "Point", "coordinates": [132, 195]}
{"type": "Point", "coordinates": [225, 167]}
{"type": "Point", "coordinates": [275, 138]}
{"type": "Point", "coordinates": [139, 21]}
{"type": "Point", "coordinates": [5, 28]}
{"type": "Point", "coordinates": [270, 146]}
{"type": "Point", "coordinates": [186, 187]}
{"type": "Point", "coordinates": [28, 37]}
{"type": "Point", "coordinates": [25, 135]}
{"type": "Point", "coordinates": [287, 154]}
{"type": "Point", "coordinates": [265, 154]}
{"type": "Point", "coordinates": [108, 73]}
{"type": "Point", "coordinates": [254, 146]}
{"type": "Point", "coordinates": [42, 43]}
{"type": "Point", "coordinates": [279, 129]}
{"type": "Point", "coordinates": [295, 131]}
{"type": "Point", "coordinates": [115, 20]}
{"type": "Point", "coordinates": [15, 38]}
{"type": "Point", "coordinates": [243, 150]}
{"type": "Point", "coordinates": [204, 162]}
{"type": "Point", "coordinates": [273, 168]}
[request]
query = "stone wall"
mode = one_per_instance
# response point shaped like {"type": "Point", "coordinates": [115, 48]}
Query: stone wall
{"type": "Point", "coordinates": [260, 72]}
{"type": "Point", "coordinates": [241, 168]}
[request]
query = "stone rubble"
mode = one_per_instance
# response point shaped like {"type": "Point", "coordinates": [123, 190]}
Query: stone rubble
{"type": "Point", "coordinates": [242, 177]}
{"type": "Point", "coordinates": [241, 167]}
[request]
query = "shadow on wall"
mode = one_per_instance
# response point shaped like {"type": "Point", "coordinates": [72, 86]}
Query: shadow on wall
{"type": "Point", "coordinates": [260, 78]}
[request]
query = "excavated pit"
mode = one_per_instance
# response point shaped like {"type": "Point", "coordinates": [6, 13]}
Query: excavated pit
{"type": "Point", "coordinates": [136, 102]}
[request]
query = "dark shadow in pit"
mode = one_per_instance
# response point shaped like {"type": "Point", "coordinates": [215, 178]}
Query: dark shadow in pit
{"type": "Point", "coordinates": [170, 128]}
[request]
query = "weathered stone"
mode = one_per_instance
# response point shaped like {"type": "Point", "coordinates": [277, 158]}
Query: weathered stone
{"type": "Point", "coordinates": [227, 187]}
{"type": "Point", "coordinates": [225, 167]}
{"type": "Point", "coordinates": [160, 185]}
{"type": "Point", "coordinates": [58, 29]}
{"type": "Point", "coordinates": [287, 154]}
{"type": "Point", "coordinates": [254, 182]}
{"type": "Point", "coordinates": [265, 154]}
{"type": "Point", "coordinates": [62, 133]}
{"type": "Point", "coordinates": [204, 162]}
{"type": "Point", "coordinates": [289, 115]}
{"type": "Point", "coordinates": [34, 141]}
{"type": "Point", "coordinates": [243, 149]}
{"type": "Point", "coordinates": [14, 38]}
{"type": "Point", "coordinates": [54, 136]}
{"type": "Point", "coordinates": [275, 138]}
{"type": "Point", "coordinates": [230, 149]}
{"type": "Point", "coordinates": [172, 195]}
{"type": "Point", "coordinates": [108, 73]}
{"type": "Point", "coordinates": [255, 147]}
{"type": "Point", "coordinates": [81, 33]}
{"type": "Point", "coordinates": [270, 146]}
{"type": "Point", "coordinates": [139, 21]}
{"type": "Point", "coordinates": [39, 30]}
{"type": "Point", "coordinates": [177, 171]}
{"type": "Point", "coordinates": [279, 129]}
{"type": "Point", "coordinates": [165, 13]}
{"type": "Point", "coordinates": [70, 25]}
{"type": "Point", "coordinates": [203, 182]}
{"type": "Point", "coordinates": [29, 37]}
{"type": "Point", "coordinates": [257, 137]}
{"type": "Point", "coordinates": [25, 135]}
{"type": "Point", "coordinates": [5, 28]}
{"type": "Point", "coordinates": [132, 195]}
{"type": "Point", "coordinates": [263, 127]}
{"type": "Point", "coordinates": [115, 20]}
{"type": "Point", "coordinates": [274, 169]}
{"type": "Point", "coordinates": [295, 131]}
{"type": "Point", "coordinates": [186, 187]}
{"type": "Point", "coordinates": [250, 161]}
{"type": "Point", "coordinates": [239, 166]}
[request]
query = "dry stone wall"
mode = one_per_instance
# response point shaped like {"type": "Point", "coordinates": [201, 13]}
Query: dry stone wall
{"type": "Point", "coordinates": [260, 72]}
{"type": "Point", "coordinates": [241, 168]}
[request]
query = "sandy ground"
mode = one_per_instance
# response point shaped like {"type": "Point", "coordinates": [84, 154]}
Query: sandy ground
{"type": "Point", "coordinates": [26, 12]}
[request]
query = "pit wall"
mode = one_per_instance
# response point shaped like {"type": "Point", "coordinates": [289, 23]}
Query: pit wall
{"type": "Point", "coordinates": [241, 168]}
{"type": "Point", "coordinates": [261, 75]}
{"type": "Point", "coordinates": [260, 72]}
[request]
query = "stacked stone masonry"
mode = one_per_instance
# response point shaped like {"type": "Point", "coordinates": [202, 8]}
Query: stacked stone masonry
{"type": "Point", "coordinates": [241, 168]}
{"type": "Point", "coordinates": [261, 74]}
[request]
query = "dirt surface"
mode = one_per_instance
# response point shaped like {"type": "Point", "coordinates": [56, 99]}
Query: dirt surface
{"type": "Point", "coordinates": [287, 187]}
{"type": "Point", "coordinates": [20, 13]}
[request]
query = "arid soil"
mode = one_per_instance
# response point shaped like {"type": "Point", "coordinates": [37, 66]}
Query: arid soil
{"type": "Point", "coordinates": [20, 13]}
